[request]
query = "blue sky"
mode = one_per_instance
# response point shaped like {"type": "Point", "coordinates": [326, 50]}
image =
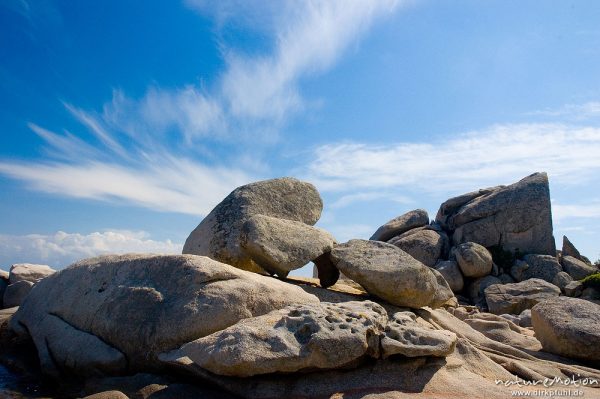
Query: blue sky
{"type": "Point", "coordinates": [124, 122]}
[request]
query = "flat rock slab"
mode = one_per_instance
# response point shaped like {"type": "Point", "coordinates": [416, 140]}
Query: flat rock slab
{"type": "Point", "coordinates": [303, 337]}
{"type": "Point", "coordinates": [391, 274]}
{"type": "Point", "coordinates": [568, 327]}
{"type": "Point", "coordinates": [404, 336]}
{"type": "Point", "coordinates": [568, 249]}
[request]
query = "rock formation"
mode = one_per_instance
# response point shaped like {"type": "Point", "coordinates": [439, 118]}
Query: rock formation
{"type": "Point", "coordinates": [401, 224]}
{"type": "Point", "coordinates": [515, 298]}
{"type": "Point", "coordinates": [390, 274]}
{"type": "Point", "coordinates": [514, 217]}
{"type": "Point", "coordinates": [122, 311]}
{"type": "Point", "coordinates": [219, 235]}
{"type": "Point", "coordinates": [568, 327]}
{"type": "Point", "coordinates": [473, 259]}
{"type": "Point", "coordinates": [20, 281]}
{"type": "Point", "coordinates": [412, 316]}
{"type": "Point", "coordinates": [299, 337]}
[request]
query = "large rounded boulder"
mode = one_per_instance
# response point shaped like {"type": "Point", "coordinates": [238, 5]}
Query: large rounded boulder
{"type": "Point", "coordinates": [568, 327]}
{"type": "Point", "coordinates": [391, 274]}
{"type": "Point", "coordinates": [219, 235]}
{"type": "Point", "coordinates": [115, 314]}
{"type": "Point", "coordinates": [473, 259]}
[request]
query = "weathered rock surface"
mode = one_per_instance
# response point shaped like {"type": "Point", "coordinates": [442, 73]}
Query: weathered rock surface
{"type": "Point", "coordinates": [525, 318]}
{"type": "Point", "coordinates": [401, 224]}
{"type": "Point", "coordinates": [469, 371]}
{"type": "Point", "coordinates": [568, 249]}
{"type": "Point", "coordinates": [577, 268]}
{"type": "Point", "coordinates": [451, 272]}
{"type": "Point", "coordinates": [218, 235]}
{"type": "Point", "coordinates": [15, 294]}
{"type": "Point", "coordinates": [568, 327]}
{"type": "Point", "coordinates": [545, 267]}
{"type": "Point", "coordinates": [153, 386]}
{"type": "Point", "coordinates": [574, 289]}
{"type": "Point", "coordinates": [513, 217]}
{"type": "Point", "coordinates": [502, 330]}
{"type": "Point", "coordinates": [301, 337]}
{"type": "Point", "coordinates": [477, 287]}
{"type": "Point", "coordinates": [561, 280]}
{"type": "Point", "coordinates": [424, 244]}
{"type": "Point", "coordinates": [515, 298]}
{"type": "Point", "coordinates": [112, 313]}
{"type": "Point", "coordinates": [453, 205]}
{"type": "Point", "coordinates": [404, 336]}
{"type": "Point", "coordinates": [443, 293]}
{"type": "Point", "coordinates": [473, 259]}
{"type": "Point", "coordinates": [280, 246]}
{"type": "Point", "coordinates": [107, 395]}
{"type": "Point", "coordinates": [389, 273]}
{"type": "Point", "coordinates": [29, 272]}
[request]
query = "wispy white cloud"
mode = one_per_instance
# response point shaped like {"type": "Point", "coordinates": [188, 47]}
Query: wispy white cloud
{"type": "Point", "coordinates": [95, 127]}
{"type": "Point", "coordinates": [256, 94]}
{"type": "Point", "coordinates": [61, 249]}
{"type": "Point", "coordinates": [567, 211]}
{"type": "Point", "coordinates": [170, 185]}
{"type": "Point", "coordinates": [147, 151]}
{"type": "Point", "coordinates": [499, 154]}
{"type": "Point", "coordinates": [577, 112]}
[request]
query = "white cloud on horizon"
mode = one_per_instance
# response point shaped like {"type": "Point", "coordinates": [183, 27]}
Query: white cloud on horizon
{"type": "Point", "coordinates": [500, 154]}
{"type": "Point", "coordinates": [61, 249]}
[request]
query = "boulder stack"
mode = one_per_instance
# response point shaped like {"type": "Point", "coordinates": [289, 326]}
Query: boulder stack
{"type": "Point", "coordinates": [393, 325]}
{"type": "Point", "coordinates": [514, 217]}
{"type": "Point", "coordinates": [281, 209]}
